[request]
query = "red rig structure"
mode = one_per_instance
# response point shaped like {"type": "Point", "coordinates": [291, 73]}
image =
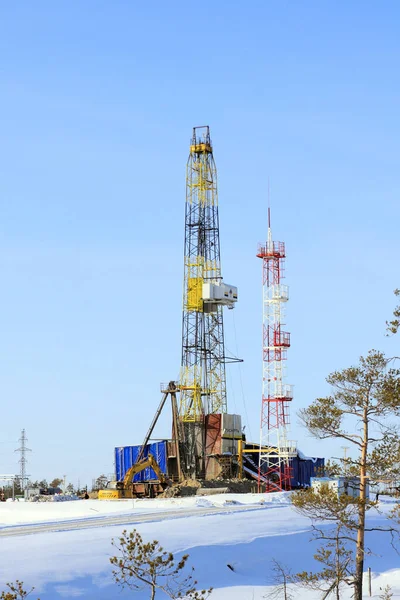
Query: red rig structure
{"type": "Point", "coordinates": [276, 452]}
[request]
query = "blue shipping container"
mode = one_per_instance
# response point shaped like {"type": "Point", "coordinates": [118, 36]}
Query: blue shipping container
{"type": "Point", "coordinates": [304, 469]}
{"type": "Point", "coordinates": [126, 456]}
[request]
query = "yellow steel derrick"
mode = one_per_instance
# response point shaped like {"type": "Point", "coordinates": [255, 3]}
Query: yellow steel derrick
{"type": "Point", "coordinates": [203, 148]}
{"type": "Point", "coordinates": [191, 405]}
{"type": "Point", "coordinates": [202, 382]}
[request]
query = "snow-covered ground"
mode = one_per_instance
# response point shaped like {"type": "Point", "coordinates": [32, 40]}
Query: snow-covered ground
{"type": "Point", "coordinates": [12, 513]}
{"type": "Point", "coordinates": [69, 564]}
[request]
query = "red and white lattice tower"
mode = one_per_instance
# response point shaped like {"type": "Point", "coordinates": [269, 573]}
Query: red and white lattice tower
{"type": "Point", "coordinates": [276, 451]}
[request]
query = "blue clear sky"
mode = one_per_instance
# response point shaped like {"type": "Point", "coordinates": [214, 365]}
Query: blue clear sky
{"type": "Point", "coordinates": [98, 100]}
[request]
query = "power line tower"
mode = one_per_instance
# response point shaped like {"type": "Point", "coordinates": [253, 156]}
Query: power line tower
{"type": "Point", "coordinates": [275, 449]}
{"type": "Point", "coordinates": [22, 461]}
{"type": "Point", "coordinates": [202, 380]}
{"type": "Point", "coordinates": [345, 459]}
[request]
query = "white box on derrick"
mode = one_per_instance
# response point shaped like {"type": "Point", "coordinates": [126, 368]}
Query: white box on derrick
{"type": "Point", "coordinates": [220, 293]}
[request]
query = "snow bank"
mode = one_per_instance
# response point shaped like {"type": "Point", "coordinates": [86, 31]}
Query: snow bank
{"type": "Point", "coordinates": [76, 563]}
{"type": "Point", "coordinates": [18, 513]}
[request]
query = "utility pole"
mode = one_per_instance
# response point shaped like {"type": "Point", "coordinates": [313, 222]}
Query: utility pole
{"type": "Point", "coordinates": [22, 461]}
{"type": "Point", "coordinates": [345, 448]}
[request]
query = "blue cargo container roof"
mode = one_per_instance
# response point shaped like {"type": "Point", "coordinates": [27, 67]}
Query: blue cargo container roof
{"type": "Point", "coordinates": [126, 456]}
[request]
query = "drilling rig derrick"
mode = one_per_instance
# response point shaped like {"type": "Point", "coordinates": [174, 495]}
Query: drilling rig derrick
{"type": "Point", "coordinates": [203, 381]}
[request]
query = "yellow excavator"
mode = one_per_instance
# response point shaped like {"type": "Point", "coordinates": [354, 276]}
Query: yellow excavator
{"type": "Point", "coordinates": [117, 490]}
{"type": "Point", "coordinates": [127, 488]}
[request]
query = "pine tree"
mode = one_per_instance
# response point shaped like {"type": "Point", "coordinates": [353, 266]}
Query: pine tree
{"type": "Point", "coordinates": [394, 324]}
{"type": "Point", "coordinates": [142, 564]}
{"type": "Point", "coordinates": [56, 482]}
{"type": "Point", "coordinates": [15, 591]}
{"type": "Point", "coordinates": [337, 563]}
{"type": "Point", "coordinates": [363, 398]}
{"type": "Point", "coordinates": [281, 578]}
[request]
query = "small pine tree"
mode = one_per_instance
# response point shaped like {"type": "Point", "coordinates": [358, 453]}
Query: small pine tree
{"type": "Point", "coordinates": [56, 482]}
{"type": "Point", "coordinates": [337, 564]}
{"type": "Point", "coordinates": [394, 324]}
{"type": "Point", "coordinates": [146, 564]}
{"type": "Point", "coordinates": [281, 578]}
{"type": "Point", "coordinates": [15, 591]}
{"type": "Point", "coordinates": [100, 483]}
{"type": "Point", "coordinates": [386, 593]}
{"type": "Point", "coordinates": [18, 485]}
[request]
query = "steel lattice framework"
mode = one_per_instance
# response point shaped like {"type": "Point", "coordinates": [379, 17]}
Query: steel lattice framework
{"type": "Point", "coordinates": [275, 449]}
{"type": "Point", "coordinates": [203, 381]}
{"type": "Point", "coordinates": [23, 460]}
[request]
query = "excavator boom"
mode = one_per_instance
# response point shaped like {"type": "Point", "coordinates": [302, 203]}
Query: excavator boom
{"type": "Point", "coordinates": [150, 461]}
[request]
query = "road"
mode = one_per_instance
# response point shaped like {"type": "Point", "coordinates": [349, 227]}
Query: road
{"type": "Point", "coordinates": [126, 519]}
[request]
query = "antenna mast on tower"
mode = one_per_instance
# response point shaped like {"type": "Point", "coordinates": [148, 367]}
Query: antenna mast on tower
{"type": "Point", "coordinates": [22, 461]}
{"type": "Point", "coordinates": [275, 449]}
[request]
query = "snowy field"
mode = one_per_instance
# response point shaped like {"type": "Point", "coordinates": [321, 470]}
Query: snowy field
{"type": "Point", "coordinates": [69, 564]}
